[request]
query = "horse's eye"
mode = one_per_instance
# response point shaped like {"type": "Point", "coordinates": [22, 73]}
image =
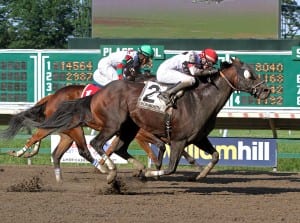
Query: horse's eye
{"type": "Point", "coordinates": [247, 74]}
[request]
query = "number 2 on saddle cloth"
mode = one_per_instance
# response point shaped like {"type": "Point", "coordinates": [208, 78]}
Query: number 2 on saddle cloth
{"type": "Point", "coordinates": [90, 89]}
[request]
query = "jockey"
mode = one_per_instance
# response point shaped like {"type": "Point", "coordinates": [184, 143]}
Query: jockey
{"type": "Point", "coordinates": [181, 70]}
{"type": "Point", "coordinates": [115, 65]}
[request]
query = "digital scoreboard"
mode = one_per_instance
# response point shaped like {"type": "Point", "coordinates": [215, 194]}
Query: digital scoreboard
{"type": "Point", "coordinates": [62, 69]}
{"type": "Point", "coordinates": [29, 75]}
{"type": "Point", "coordinates": [16, 76]}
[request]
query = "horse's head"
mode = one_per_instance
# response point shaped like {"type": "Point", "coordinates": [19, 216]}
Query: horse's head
{"type": "Point", "coordinates": [241, 76]}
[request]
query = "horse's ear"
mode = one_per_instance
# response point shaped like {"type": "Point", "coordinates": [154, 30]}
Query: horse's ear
{"type": "Point", "coordinates": [236, 59]}
{"type": "Point", "coordinates": [224, 65]}
{"type": "Point", "coordinates": [232, 59]}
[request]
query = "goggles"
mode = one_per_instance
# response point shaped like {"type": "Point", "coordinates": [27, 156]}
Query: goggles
{"type": "Point", "coordinates": [205, 62]}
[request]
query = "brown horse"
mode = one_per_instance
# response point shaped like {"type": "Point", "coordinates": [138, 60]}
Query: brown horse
{"type": "Point", "coordinates": [46, 107]}
{"type": "Point", "coordinates": [114, 110]}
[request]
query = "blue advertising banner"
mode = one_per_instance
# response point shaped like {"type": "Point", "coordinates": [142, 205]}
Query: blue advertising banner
{"type": "Point", "coordinates": [233, 152]}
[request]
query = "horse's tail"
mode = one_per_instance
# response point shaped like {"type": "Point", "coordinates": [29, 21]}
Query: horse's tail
{"type": "Point", "coordinates": [21, 120]}
{"type": "Point", "coordinates": [70, 114]}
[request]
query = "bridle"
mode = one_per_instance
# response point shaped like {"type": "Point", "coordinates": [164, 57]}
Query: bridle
{"type": "Point", "coordinates": [227, 81]}
{"type": "Point", "coordinates": [253, 88]}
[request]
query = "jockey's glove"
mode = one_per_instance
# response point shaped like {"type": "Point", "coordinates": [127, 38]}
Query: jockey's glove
{"type": "Point", "coordinates": [209, 72]}
{"type": "Point", "coordinates": [204, 73]}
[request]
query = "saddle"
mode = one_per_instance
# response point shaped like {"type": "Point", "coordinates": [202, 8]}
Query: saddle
{"type": "Point", "coordinates": [173, 97]}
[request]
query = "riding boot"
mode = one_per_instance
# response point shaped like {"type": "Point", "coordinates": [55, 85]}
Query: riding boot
{"type": "Point", "coordinates": [166, 95]}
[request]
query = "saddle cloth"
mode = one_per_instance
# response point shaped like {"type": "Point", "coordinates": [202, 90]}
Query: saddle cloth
{"type": "Point", "coordinates": [148, 98]}
{"type": "Point", "coordinates": [89, 89]}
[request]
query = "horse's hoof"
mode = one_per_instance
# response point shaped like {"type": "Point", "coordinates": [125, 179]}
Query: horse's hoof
{"type": "Point", "coordinates": [200, 177]}
{"type": "Point", "coordinates": [111, 176]}
{"type": "Point", "coordinates": [59, 180]}
{"type": "Point", "coordinates": [102, 168]}
{"type": "Point", "coordinates": [12, 153]}
{"type": "Point", "coordinates": [138, 173]}
{"type": "Point", "coordinates": [142, 177]}
{"type": "Point", "coordinates": [192, 178]}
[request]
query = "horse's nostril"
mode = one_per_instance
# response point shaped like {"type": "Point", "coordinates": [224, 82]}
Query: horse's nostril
{"type": "Point", "coordinates": [267, 91]}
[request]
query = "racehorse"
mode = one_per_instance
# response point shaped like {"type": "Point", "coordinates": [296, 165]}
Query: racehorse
{"type": "Point", "coordinates": [114, 110]}
{"type": "Point", "coordinates": [47, 106]}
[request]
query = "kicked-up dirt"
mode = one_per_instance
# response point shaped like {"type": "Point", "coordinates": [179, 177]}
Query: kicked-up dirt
{"type": "Point", "coordinates": [31, 194]}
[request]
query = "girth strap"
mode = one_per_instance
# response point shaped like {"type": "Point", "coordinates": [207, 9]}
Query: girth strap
{"type": "Point", "coordinates": [168, 126]}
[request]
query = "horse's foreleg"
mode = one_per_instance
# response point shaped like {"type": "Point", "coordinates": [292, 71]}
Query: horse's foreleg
{"type": "Point", "coordinates": [143, 138]}
{"type": "Point", "coordinates": [190, 159]}
{"type": "Point", "coordinates": [209, 167]}
{"type": "Point", "coordinates": [175, 155]}
{"type": "Point", "coordinates": [140, 167]}
{"type": "Point", "coordinates": [145, 146]}
{"type": "Point", "coordinates": [207, 147]}
{"type": "Point", "coordinates": [161, 152]}
{"type": "Point", "coordinates": [63, 145]}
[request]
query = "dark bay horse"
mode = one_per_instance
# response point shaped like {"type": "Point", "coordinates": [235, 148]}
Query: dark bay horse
{"type": "Point", "coordinates": [46, 107]}
{"type": "Point", "coordinates": [115, 109]}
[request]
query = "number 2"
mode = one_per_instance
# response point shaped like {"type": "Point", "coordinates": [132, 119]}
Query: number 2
{"type": "Point", "coordinates": [154, 88]}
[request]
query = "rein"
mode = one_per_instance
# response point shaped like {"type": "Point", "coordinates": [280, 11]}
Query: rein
{"type": "Point", "coordinates": [227, 81]}
{"type": "Point", "coordinates": [236, 89]}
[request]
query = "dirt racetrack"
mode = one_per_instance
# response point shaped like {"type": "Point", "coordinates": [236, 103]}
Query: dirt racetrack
{"type": "Point", "coordinates": [30, 194]}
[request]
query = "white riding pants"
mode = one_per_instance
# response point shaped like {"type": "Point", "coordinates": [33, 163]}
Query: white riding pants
{"type": "Point", "coordinates": [105, 73]}
{"type": "Point", "coordinates": [170, 76]}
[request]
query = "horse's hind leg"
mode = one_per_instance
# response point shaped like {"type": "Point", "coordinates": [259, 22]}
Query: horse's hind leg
{"type": "Point", "coordinates": [34, 151]}
{"type": "Point", "coordinates": [117, 146]}
{"type": "Point", "coordinates": [77, 135]}
{"type": "Point", "coordinates": [35, 138]}
{"type": "Point", "coordinates": [127, 132]}
{"type": "Point", "coordinates": [97, 143]}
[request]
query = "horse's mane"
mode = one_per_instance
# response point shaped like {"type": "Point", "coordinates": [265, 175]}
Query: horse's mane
{"type": "Point", "coordinates": [205, 83]}
{"type": "Point", "coordinates": [225, 65]}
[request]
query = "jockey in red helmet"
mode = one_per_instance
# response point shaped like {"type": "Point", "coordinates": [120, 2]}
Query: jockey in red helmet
{"type": "Point", "coordinates": [208, 58]}
{"type": "Point", "coordinates": [182, 69]}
